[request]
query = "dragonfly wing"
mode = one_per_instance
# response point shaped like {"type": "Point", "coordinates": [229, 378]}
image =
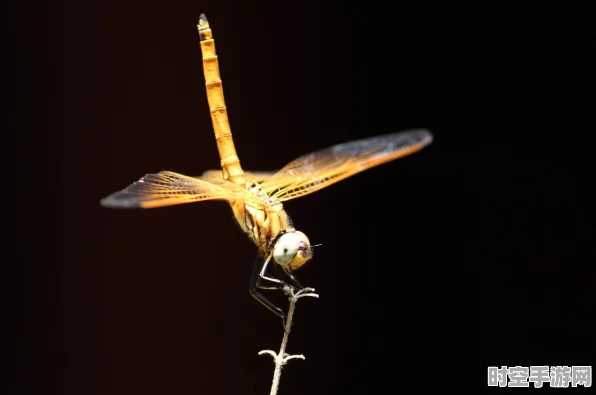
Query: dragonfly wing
{"type": "Point", "coordinates": [317, 170]}
{"type": "Point", "coordinates": [167, 188]}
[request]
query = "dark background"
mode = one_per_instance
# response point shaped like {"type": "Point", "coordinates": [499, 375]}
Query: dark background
{"type": "Point", "coordinates": [478, 251]}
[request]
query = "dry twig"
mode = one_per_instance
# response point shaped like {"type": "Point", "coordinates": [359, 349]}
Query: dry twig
{"type": "Point", "coordinates": [281, 358]}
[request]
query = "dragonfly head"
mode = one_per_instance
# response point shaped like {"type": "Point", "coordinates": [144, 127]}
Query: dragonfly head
{"type": "Point", "coordinates": [292, 250]}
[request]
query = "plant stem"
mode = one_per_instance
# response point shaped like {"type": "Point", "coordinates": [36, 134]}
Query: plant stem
{"type": "Point", "coordinates": [281, 358]}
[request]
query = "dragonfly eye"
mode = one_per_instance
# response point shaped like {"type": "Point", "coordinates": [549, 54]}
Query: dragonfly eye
{"type": "Point", "coordinates": [292, 250]}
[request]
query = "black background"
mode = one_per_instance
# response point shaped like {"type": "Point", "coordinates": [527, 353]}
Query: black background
{"type": "Point", "coordinates": [478, 251]}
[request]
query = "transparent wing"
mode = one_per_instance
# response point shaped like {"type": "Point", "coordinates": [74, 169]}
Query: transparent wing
{"type": "Point", "coordinates": [317, 170]}
{"type": "Point", "coordinates": [167, 188]}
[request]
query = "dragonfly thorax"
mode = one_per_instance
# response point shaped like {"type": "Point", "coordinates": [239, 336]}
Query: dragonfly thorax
{"type": "Point", "coordinates": [263, 196]}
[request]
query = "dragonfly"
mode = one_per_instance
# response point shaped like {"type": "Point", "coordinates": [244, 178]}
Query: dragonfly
{"type": "Point", "coordinates": [257, 198]}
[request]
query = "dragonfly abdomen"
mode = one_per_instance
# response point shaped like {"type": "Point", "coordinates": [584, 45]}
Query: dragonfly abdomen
{"type": "Point", "coordinates": [230, 163]}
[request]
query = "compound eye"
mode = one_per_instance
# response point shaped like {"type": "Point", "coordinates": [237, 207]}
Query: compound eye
{"type": "Point", "coordinates": [286, 248]}
{"type": "Point", "coordinates": [292, 249]}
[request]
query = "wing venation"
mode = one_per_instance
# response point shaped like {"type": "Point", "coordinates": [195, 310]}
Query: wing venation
{"type": "Point", "coordinates": [317, 170]}
{"type": "Point", "coordinates": [167, 188]}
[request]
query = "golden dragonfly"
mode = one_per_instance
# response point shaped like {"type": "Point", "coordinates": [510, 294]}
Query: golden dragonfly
{"type": "Point", "coordinates": [256, 198]}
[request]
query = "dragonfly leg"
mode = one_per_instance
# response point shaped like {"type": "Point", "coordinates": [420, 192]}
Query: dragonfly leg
{"type": "Point", "coordinates": [294, 279]}
{"type": "Point", "coordinates": [255, 285]}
